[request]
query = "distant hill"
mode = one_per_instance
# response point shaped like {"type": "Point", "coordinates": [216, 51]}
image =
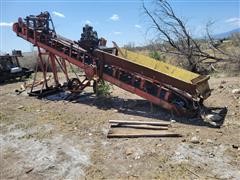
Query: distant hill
{"type": "Point", "coordinates": [226, 34]}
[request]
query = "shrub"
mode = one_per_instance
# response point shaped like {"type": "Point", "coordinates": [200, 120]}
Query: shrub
{"type": "Point", "coordinates": [103, 89]}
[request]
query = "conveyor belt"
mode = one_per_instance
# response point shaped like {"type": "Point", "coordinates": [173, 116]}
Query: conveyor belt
{"type": "Point", "coordinates": [163, 84]}
{"type": "Point", "coordinates": [199, 81]}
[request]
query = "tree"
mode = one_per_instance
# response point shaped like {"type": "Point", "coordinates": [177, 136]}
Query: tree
{"type": "Point", "coordinates": [176, 38]}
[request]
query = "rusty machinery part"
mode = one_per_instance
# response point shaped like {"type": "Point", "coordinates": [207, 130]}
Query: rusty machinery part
{"type": "Point", "coordinates": [95, 83]}
{"type": "Point", "coordinates": [42, 22]}
{"type": "Point", "coordinates": [17, 53]}
{"type": "Point", "coordinates": [10, 67]}
{"type": "Point", "coordinates": [89, 38]}
{"type": "Point", "coordinates": [153, 85]}
{"type": "Point", "coordinates": [74, 84]}
{"type": "Point", "coordinates": [90, 71]}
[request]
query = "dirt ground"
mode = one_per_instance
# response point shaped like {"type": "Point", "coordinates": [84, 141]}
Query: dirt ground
{"type": "Point", "coordinates": [53, 138]}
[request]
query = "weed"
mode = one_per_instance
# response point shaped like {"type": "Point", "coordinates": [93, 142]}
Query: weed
{"type": "Point", "coordinates": [103, 89]}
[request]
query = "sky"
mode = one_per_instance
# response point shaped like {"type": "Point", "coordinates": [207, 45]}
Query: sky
{"type": "Point", "coordinates": [121, 21]}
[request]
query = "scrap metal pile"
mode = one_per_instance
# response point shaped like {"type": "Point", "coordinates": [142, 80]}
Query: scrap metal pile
{"type": "Point", "coordinates": [170, 87]}
{"type": "Point", "coordinates": [10, 67]}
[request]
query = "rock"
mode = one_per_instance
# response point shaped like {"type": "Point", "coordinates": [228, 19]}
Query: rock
{"type": "Point", "coordinates": [197, 130]}
{"type": "Point", "coordinates": [209, 141]}
{"type": "Point", "coordinates": [190, 146]}
{"type": "Point", "coordinates": [195, 140]}
{"type": "Point", "coordinates": [137, 157]}
{"type": "Point", "coordinates": [236, 91]}
{"type": "Point", "coordinates": [173, 121]}
{"type": "Point", "coordinates": [177, 153]}
{"type": "Point", "coordinates": [220, 87]}
{"type": "Point", "coordinates": [183, 140]}
{"type": "Point", "coordinates": [211, 155]}
{"type": "Point", "coordinates": [20, 107]}
{"type": "Point", "coordinates": [235, 146]}
{"type": "Point", "coordinates": [129, 151]}
{"type": "Point", "coordinates": [159, 145]}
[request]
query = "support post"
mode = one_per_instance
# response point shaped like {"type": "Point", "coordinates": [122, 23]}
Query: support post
{"type": "Point", "coordinates": [42, 67]}
{"type": "Point", "coordinates": [54, 69]}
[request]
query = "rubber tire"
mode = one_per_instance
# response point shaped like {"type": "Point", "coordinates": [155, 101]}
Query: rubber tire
{"type": "Point", "coordinates": [71, 84]}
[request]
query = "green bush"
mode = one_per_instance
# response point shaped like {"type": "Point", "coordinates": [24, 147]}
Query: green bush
{"type": "Point", "coordinates": [104, 89]}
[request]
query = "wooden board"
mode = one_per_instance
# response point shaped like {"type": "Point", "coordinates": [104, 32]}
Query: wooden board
{"type": "Point", "coordinates": [154, 123]}
{"type": "Point", "coordinates": [134, 133]}
{"type": "Point", "coordinates": [139, 126]}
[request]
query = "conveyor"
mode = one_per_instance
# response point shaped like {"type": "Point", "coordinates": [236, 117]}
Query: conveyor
{"type": "Point", "coordinates": [171, 87]}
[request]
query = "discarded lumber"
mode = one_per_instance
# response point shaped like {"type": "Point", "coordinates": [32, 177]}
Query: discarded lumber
{"type": "Point", "coordinates": [135, 129]}
{"type": "Point", "coordinates": [139, 126]}
{"type": "Point", "coordinates": [135, 133]}
{"type": "Point", "coordinates": [154, 123]}
{"type": "Point", "coordinates": [37, 83]}
{"type": "Point", "coordinates": [24, 86]}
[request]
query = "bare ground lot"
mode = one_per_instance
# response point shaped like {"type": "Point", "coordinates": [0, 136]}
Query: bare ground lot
{"type": "Point", "coordinates": [57, 139]}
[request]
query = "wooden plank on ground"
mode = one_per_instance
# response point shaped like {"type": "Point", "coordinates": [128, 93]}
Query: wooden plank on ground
{"type": "Point", "coordinates": [154, 123]}
{"type": "Point", "coordinates": [139, 126]}
{"type": "Point", "coordinates": [134, 133]}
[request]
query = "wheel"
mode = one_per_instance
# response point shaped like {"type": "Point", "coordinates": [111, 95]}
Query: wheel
{"type": "Point", "coordinates": [74, 84]}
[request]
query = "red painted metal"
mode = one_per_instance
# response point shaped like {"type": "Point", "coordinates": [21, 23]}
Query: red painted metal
{"type": "Point", "coordinates": [141, 93]}
{"type": "Point", "coordinates": [131, 77]}
{"type": "Point", "coordinates": [145, 72]}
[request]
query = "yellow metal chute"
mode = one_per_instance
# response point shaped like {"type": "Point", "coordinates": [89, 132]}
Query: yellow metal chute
{"type": "Point", "coordinates": [162, 67]}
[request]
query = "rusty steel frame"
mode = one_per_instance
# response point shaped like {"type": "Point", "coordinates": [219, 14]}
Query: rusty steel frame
{"type": "Point", "coordinates": [99, 59]}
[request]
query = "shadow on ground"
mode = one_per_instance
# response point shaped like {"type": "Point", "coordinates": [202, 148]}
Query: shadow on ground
{"type": "Point", "coordinates": [12, 81]}
{"type": "Point", "coordinates": [141, 108]}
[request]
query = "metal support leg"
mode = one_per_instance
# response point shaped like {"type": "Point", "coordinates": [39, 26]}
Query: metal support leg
{"type": "Point", "coordinates": [42, 67]}
{"type": "Point", "coordinates": [54, 69]}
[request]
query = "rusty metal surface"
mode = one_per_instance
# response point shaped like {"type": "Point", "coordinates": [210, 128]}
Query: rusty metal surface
{"type": "Point", "coordinates": [156, 87]}
{"type": "Point", "coordinates": [148, 73]}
